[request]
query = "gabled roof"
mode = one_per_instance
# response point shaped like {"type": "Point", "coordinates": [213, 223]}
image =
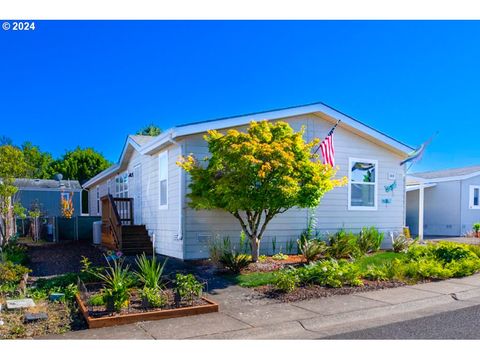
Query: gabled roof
{"type": "Point", "coordinates": [446, 174]}
{"type": "Point", "coordinates": [62, 185]}
{"type": "Point", "coordinates": [154, 144]}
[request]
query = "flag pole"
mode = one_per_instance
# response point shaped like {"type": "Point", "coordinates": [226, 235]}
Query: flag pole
{"type": "Point", "coordinates": [331, 131]}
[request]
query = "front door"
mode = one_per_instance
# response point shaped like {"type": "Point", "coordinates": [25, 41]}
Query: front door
{"type": "Point", "coordinates": [137, 195]}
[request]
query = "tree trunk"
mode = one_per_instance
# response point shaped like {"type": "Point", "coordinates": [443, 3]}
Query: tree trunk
{"type": "Point", "coordinates": [255, 247]}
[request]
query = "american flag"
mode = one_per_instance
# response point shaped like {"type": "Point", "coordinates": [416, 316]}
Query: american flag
{"type": "Point", "coordinates": [328, 151]}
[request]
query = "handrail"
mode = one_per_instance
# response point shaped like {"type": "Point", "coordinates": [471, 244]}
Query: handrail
{"type": "Point", "coordinates": [115, 213]}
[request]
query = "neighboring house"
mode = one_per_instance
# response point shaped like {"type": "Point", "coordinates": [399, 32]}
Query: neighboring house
{"type": "Point", "coordinates": [450, 200]}
{"type": "Point", "coordinates": [47, 194]}
{"type": "Point", "coordinates": [147, 173]}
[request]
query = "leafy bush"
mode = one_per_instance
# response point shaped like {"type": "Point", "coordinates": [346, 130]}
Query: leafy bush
{"type": "Point", "coordinates": [153, 297]}
{"type": "Point", "coordinates": [11, 273]}
{"type": "Point", "coordinates": [426, 268]}
{"type": "Point", "coordinates": [280, 256]}
{"type": "Point", "coordinates": [343, 244]}
{"type": "Point", "coordinates": [369, 240]}
{"type": "Point", "coordinates": [286, 280]}
{"type": "Point", "coordinates": [331, 273]}
{"type": "Point", "coordinates": [187, 287]}
{"type": "Point", "coordinates": [476, 228]}
{"type": "Point", "coordinates": [262, 258]}
{"type": "Point", "coordinates": [311, 249]}
{"type": "Point", "coordinates": [377, 273]}
{"type": "Point", "coordinates": [235, 262]}
{"type": "Point", "coordinates": [117, 283]}
{"type": "Point", "coordinates": [448, 252]}
{"type": "Point", "coordinates": [150, 271]}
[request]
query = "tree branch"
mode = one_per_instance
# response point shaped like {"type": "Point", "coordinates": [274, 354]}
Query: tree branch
{"type": "Point", "coordinates": [242, 223]}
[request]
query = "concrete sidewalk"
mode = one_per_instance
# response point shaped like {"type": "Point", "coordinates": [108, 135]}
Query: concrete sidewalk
{"type": "Point", "coordinates": [245, 315]}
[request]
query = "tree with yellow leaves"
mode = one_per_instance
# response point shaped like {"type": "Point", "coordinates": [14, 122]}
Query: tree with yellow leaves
{"type": "Point", "coordinates": [258, 174]}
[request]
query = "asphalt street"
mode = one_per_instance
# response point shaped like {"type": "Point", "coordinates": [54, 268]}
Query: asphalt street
{"type": "Point", "coordinates": [458, 324]}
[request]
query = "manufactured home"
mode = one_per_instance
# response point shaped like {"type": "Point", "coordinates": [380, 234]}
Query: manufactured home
{"type": "Point", "coordinates": [142, 197]}
{"type": "Point", "coordinates": [444, 202]}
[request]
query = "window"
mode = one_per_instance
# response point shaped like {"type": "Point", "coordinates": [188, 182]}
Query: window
{"type": "Point", "coordinates": [121, 185]}
{"type": "Point", "coordinates": [163, 179]}
{"type": "Point", "coordinates": [474, 196]}
{"type": "Point", "coordinates": [109, 186]}
{"type": "Point", "coordinates": [98, 199]}
{"type": "Point", "coordinates": [362, 184]}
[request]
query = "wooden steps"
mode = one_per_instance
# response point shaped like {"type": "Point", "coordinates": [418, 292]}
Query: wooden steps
{"type": "Point", "coordinates": [135, 240]}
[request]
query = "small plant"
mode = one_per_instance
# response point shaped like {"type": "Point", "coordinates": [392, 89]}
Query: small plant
{"type": "Point", "coordinates": [401, 243]}
{"type": "Point", "coordinates": [290, 246]}
{"type": "Point", "coordinates": [311, 249]}
{"type": "Point", "coordinates": [476, 228]}
{"type": "Point", "coordinates": [187, 287]}
{"type": "Point", "coordinates": [235, 262]}
{"type": "Point", "coordinates": [376, 273]}
{"type": "Point", "coordinates": [274, 245]}
{"type": "Point", "coordinates": [117, 283]}
{"type": "Point", "coordinates": [286, 280]}
{"type": "Point", "coordinates": [280, 256]}
{"type": "Point", "coordinates": [86, 265]}
{"type": "Point", "coordinates": [369, 240]}
{"type": "Point", "coordinates": [332, 273]}
{"type": "Point", "coordinates": [150, 271]}
{"type": "Point", "coordinates": [262, 258]}
{"type": "Point", "coordinates": [153, 298]}
{"type": "Point", "coordinates": [96, 300]}
{"type": "Point", "coordinates": [11, 273]}
{"type": "Point", "coordinates": [343, 244]}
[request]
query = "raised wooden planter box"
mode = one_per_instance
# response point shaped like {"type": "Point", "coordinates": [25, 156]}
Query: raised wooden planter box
{"type": "Point", "coordinates": [94, 323]}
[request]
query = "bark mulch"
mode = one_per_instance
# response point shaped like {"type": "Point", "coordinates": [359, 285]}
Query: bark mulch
{"type": "Point", "coordinates": [315, 291]}
{"type": "Point", "coordinates": [59, 258]}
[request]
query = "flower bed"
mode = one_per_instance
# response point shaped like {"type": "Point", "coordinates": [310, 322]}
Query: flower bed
{"type": "Point", "coordinates": [98, 316]}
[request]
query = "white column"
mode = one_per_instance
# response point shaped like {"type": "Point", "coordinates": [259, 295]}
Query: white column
{"type": "Point", "coordinates": [421, 199]}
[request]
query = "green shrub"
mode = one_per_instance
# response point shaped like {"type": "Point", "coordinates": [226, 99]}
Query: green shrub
{"type": "Point", "coordinates": [426, 268]}
{"type": "Point", "coordinates": [369, 240]}
{"type": "Point", "coordinates": [331, 273]}
{"type": "Point", "coordinates": [377, 273]}
{"type": "Point", "coordinates": [448, 251]}
{"type": "Point", "coordinates": [463, 267]}
{"type": "Point", "coordinates": [235, 262]}
{"type": "Point", "coordinates": [16, 253]}
{"type": "Point", "coordinates": [476, 227]}
{"type": "Point", "coordinates": [150, 271]}
{"type": "Point", "coordinates": [11, 273]}
{"type": "Point", "coordinates": [153, 297]}
{"type": "Point", "coordinates": [286, 280]}
{"type": "Point", "coordinates": [311, 249]}
{"type": "Point", "coordinates": [262, 258]}
{"type": "Point", "coordinates": [280, 256]}
{"type": "Point", "coordinates": [343, 244]}
{"type": "Point", "coordinates": [187, 287]}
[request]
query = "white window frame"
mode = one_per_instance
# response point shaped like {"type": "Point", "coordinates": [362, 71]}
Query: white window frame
{"type": "Point", "coordinates": [471, 196]}
{"type": "Point", "coordinates": [362, 208]}
{"type": "Point", "coordinates": [97, 196]}
{"type": "Point", "coordinates": [122, 189]}
{"type": "Point", "coordinates": [162, 156]}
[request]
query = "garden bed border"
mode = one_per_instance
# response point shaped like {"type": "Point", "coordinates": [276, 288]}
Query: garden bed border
{"type": "Point", "coordinates": [94, 323]}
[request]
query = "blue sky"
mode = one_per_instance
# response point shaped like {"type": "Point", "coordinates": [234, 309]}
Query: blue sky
{"type": "Point", "coordinates": [91, 83]}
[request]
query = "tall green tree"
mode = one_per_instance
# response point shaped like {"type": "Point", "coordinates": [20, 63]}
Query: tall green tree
{"type": "Point", "coordinates": [12, 165]}
{"type": "Point", "coordinates": [80, 164]}
{"type": "Point", "coordinates": [150, 130]}
{"type": "Point", "coordinates": [258, 174]}
{"type": "Point", "coordinates": [39, 163]}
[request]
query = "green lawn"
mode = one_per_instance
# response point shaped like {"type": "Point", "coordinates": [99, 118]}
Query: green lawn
{"type": "Point", "coordinates": [253, 279]}
{"type": "Point", "coordinates": [378, 259]}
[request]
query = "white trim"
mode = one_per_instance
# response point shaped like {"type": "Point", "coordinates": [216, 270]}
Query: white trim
{"type": "Point", "coordinates": [416, 187]}
{"type": "Point", "coordinates": [162, 155]}
{"type": "Point", "coordinates": [471, 193]}
{"type": "Point", "coordinates": [443, 179]}
{"type": "Point", "coordinates": [375, 184]}
{"type": "Point", "coordinates": [97, 199]}
{"type": "Point", "coordinates": [48, 189]}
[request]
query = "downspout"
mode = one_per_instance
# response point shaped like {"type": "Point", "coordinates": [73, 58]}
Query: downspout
{"type": "Point", "coordinates": [180, 194]}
